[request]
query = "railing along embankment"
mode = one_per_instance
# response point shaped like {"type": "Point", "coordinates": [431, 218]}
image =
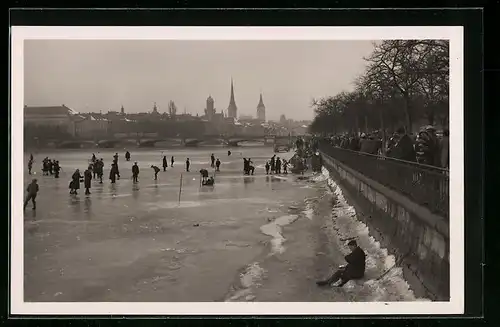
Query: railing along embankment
{"type": "Point", "coordinates": [406, 205]}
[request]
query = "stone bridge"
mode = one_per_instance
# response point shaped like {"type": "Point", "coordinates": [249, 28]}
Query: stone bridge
{"type": "Point", "coordinates": [183, 141]}
{"type": "Point", "coordinates": [235, 140]}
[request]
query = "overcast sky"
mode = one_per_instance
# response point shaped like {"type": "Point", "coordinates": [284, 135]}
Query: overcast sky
{"type": "Point", "coordinates": [103, 75]}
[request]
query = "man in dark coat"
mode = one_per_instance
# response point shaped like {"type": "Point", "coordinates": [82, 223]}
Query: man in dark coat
{"type": "Point", "coordinates": [57, 169]}
{"type": "Point", "coordinates": [127, 156]}
{"type": "Point", "coordinates": [217, 165]}
{"type": "Point", "coordinates": [100, 169]}
{"type": "Point", "coordinates": [172, 161]}
{"type": "Point", "coordinates": [30, 166]}
{"type": "Point", "coordinates": [246, 164]}
{"type": "Point", "coordinates": [403, 149]}
{"type": "Point", "coordinates": [188, 163]}
{"type": "Point", "coordinates": [445, 149]}
{"type": "Point", "coordinates": [135, 172]}
{"type": "Point", "coordinates": [112, 173]}
{"type": "Point", "coordinates": [355, 268]}
{"type": "Point", "coordinates": [32, 192]}
{"type": "Point", "coordinates": [278, 165]}
{"type": "Point", "coordinates": [51, 166]}
{"type": "Point", "coordinates": [165, 163]}
{"type": "Point", "coordinates": [427, 147]}
{"type": "Point", "coordinates": [273, 164]}
{"type": "Point", "coordinates": [212, 161]}
{"type": "Point", "coordinates": [75, 182]}
{"type": "Point", "coordinates": [87, 179]}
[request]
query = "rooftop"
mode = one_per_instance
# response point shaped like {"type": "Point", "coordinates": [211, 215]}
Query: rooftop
{"type": "Point", "coordinates": [50, 110]}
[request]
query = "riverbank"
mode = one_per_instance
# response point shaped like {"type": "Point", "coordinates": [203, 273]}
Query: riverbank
{"type": "Point", "coordinates": [308, 244]}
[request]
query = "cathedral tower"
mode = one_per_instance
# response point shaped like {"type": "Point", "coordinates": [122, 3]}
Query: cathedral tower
{"type": "Point", "coordinates": [232, 110]}
{"type": "Point", "coordinates": [210, 110]}
{"type": "Point", "coordinates": [261, 110]}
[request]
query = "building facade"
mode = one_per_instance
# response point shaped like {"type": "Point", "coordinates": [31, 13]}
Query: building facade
{"type": "Point", "coordinates": [55, 116]}
{"type": "Point", "coordinates": [88, 126]}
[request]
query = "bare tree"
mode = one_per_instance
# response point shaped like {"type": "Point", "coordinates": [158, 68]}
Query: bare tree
{"type": "Point", "coordinates": [404, 79]}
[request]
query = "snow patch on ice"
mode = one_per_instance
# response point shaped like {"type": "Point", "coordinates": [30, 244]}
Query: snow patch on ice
{"type": "Point", "coordinates": [248, 279]}
{"type": "Point", "coordinates": [273, 229]}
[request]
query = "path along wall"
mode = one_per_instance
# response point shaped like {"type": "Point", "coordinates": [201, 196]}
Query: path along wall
{"type": "Point", "coordinates": [418, 238]}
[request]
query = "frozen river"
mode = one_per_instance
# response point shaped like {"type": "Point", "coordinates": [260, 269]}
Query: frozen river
{"type": "Point", "coordinates": [248, 238]}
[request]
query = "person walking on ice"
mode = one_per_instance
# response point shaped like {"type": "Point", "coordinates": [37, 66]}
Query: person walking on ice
{"type": "Point", "coordinates": [165, 163]}
{"type": "Point", "coordinates": [217, 165]}
{"type": "Point", "coordinates": [87, 175]}
{"type": "Point", "coordinates": [32, 192]}
{"type": "Point", "coordinates": [212, 161]}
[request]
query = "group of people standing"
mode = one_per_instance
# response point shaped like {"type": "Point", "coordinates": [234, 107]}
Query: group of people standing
{"type": "Point", "coordinates": [275, 164]}
{"type": "Point", "coordinates": [49, 166]}
{"type": "Point", "coordinates": [426, 147]}
{"type": "Point", "coordinates": [215, 163]}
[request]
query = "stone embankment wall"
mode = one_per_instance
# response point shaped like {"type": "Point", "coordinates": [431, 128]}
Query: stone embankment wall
{"type": "Point", "coordinates": [418, 238]}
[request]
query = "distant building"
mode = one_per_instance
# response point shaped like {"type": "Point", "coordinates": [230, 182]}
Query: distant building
{"type": "Point", "coordinates": [261, 110]}
{"type": "Point", "coordinates": [232, 110]}
{"type": "Point", "coordinates": [245, 118]}
{"type": "Point", "coordinates": [53, 116]}
{"type": "Point", "coordinates": [89, 126]}
{"type": "Point", "coordinates": [122, 110]}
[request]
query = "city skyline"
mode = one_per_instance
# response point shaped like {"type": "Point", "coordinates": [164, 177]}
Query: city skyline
{"type": "Point", "coordinates": [104, 75]}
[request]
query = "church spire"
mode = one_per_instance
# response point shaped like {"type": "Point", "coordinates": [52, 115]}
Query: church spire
{"type": "Point", "coordinates": [232, 93]}
{"type": "Point", "coordinates": [261, 110]}
{"type": "Point", "coordinates": [232, 109]}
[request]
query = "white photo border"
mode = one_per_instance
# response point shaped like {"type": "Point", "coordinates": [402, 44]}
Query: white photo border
{"type": "Point", "coordinates": [457, 286]}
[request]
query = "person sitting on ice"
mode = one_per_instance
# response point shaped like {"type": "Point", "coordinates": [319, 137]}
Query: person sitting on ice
{"type": "Point", "coordinates": [355, 268]}
{"type": "Point", "coordinates": [210, 181]}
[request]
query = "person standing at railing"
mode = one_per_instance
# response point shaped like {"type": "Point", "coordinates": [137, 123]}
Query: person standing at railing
{"type": "Point", "coordinates": [354, 143]}
{"type": "Point", "coordinates": [427, 147]}
{"type": "Point", "coordinates": [403, 149]}
{"type": "Point", "coordinates": [364, 144]}
{"type": "Point", "coordinates": [445, 149]}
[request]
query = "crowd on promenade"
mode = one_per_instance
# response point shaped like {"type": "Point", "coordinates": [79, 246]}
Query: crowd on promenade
{"type": "Point", "coordinates": [425, 147]}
